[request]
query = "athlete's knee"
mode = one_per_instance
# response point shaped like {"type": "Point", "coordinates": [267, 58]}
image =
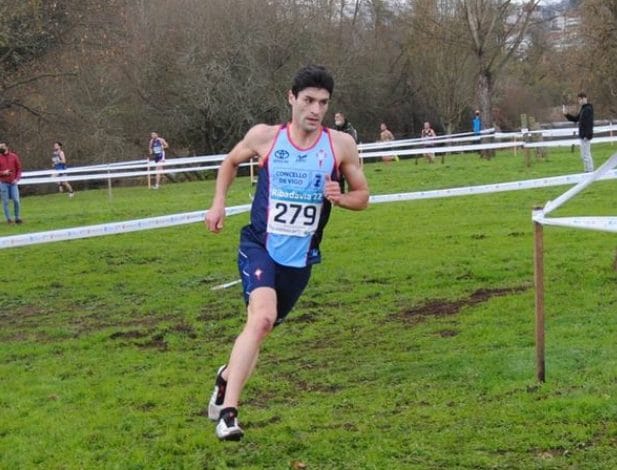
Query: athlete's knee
{"type": "Point", "coordinates": [260, 326]}
{"type": "Point", "coordinates": [261, 312]}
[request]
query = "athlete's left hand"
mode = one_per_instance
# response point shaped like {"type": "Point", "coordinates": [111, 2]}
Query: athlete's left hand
{"type": "Point", "coordinates": [332, 191]}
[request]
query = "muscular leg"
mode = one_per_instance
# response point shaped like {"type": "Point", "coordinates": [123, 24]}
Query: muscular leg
{"type": "Point", "coordinates": [159, 170]}
{"type": "Point", "coordinates": [260, 320]}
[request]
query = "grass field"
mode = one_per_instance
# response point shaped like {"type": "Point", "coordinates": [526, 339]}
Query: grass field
{"type": "Point", "coordinates": [413, 346]}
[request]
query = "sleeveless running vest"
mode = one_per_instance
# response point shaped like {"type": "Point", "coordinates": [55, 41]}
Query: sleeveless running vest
{"type": "Point", "coordinates": [289, 211]}
{"type": "Point", "coordinates": [157, 147]}
{"type": "Point", "coordinates": [57, 162]}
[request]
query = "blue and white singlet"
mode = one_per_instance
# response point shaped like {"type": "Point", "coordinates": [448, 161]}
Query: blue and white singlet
{"type": "Point", "coordinates": [289, 211]}
{"type": "Point", "coordinates": [157, 148]}
{"type": "Point", "coordinates": [57, 162]}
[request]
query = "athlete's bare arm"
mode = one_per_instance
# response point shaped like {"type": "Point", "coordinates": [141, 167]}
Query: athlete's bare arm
{"type": "Point", "coordinates": [357, 197]}
{"type": "Point", "coordinates": [256, 142]}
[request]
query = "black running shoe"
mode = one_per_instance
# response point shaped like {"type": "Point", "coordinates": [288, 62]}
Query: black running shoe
{"type": "Point", "coordinates": [227, 428]}
{"type": "Point", "coordinates": [218, 396]}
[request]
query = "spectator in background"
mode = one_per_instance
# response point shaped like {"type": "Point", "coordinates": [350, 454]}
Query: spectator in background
{"type": "Point", "coordinates": [343, 125]}
{"type": "Point", "coordinates": [10, 174]}
{"type": "Point", "coordinates": [585, 128]}
{"type": "Point", "coordinates": [58, 161]}
{"type": "Point", "coordinates": [156, 150]}
{"type": "Point", "coordinates": [386, 136]}
{"type": "Point", "coordinates": [476, 122]}
{"type": "Point", "coordinates": [427, 133]}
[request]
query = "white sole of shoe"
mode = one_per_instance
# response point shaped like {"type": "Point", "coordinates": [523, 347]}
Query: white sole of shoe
{"type": "Point", "coordinates": [224, 433]}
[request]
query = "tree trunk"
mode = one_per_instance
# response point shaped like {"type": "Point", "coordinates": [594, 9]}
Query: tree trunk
{"type": "Point", "coordinates": [484, 92]}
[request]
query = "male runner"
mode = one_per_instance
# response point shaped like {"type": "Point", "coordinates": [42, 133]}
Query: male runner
{"type": "Point", "coordinates": [156, 150]}
{"type": "Point", "coordinates": [300, 163]}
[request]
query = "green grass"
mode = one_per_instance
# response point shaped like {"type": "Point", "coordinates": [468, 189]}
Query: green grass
{"type": "Point", "coordinates": [393, 358]}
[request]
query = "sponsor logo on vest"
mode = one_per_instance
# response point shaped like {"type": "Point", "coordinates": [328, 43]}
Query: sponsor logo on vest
{"type": "Point", "coordinates": [281, 154]}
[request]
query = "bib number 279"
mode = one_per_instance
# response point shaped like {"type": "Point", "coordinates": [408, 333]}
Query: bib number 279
{"type": "Point", "coordinates": [293, 218]}
{"type": "Point", "coordinates": [295, 214]}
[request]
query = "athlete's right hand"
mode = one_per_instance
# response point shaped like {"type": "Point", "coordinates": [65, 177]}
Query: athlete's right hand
{"type": "Point", "coordinates": [214, 219]}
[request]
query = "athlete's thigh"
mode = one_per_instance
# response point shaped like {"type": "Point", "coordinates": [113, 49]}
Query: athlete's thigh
{"type": "Point", "coordinates": [290, 283]}
{"type": "Point", "coordinates": [256, 268]}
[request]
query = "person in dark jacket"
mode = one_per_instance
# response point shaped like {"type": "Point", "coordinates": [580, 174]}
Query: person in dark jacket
{"type": "Point", "coordinates": [585, 129]}
{"type": "Point", "coordinates": [342, 124]}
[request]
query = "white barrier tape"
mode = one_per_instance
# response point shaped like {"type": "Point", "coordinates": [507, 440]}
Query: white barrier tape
{"type": "Point", "coordinates": [462, 137]}
{"type": "Point", "coordinates": [144, 163]}
{"type": "Point", "coordinates": [568, 131]}
{"type": "Point", "coordinates": [112, 228]}
{"type": "Point", "coordinates": [607, 166]}
{"type": "Point", "coordinates": [112, 175]}
{"type": "Point", "coordinates": [568, 142]}
{"type": "Point", "coordinates": [485, 189]}
{"type": "Point", "coordinates": [66, 174]}
{"type": "Point", "coordinates": [603, 224]}
{"type": "Point", "coordinates": [226, 285]}
{"type": "Point", "coordinates": [112, 169]}
{"type": "Point", "coordinates": [191, 217]}
{"type": "Point", "coordinates": [452, 149]}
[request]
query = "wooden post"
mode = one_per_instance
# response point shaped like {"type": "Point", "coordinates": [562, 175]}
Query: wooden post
{"type": "Point", "coordinates": [148, 176]}
{"type": "Point", "coordinates": [109, 184]}
{"type": "Point", "coordinates": [252, 170]}
{"type": "Point", "coordinates": [525, 133]}
{"type": "Point", "coordinates": [252, 176]}
{"type": "Point", "coordinates": [539, 285]}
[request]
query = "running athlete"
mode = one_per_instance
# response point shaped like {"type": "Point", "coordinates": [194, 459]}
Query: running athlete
{"type": "Point", "coordinates": [156, 149]}
{"type": "Point", "coordinates": [58, 161]}
{"type": "Point", "coordinates": [300, 163]}
{"type": "Point", "coordinates": [427, 133]}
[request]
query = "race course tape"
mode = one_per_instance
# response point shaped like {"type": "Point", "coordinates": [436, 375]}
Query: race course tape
{"type": "Point", "coordinates": [198, 216]}
{"type": "Point", "coordinates": [602, 224]}
{"type": "Point", "coordinates": [112, 228]}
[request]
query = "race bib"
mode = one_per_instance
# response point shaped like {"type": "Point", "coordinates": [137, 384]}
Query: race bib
{"type": "Point", "coordinates": [293, 218]}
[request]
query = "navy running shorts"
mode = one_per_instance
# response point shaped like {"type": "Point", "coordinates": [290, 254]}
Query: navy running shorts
{"type": "Point", "coordinates": [258, 269]}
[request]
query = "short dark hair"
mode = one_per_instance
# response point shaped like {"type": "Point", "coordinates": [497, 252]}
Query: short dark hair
{"type": "Point", "coordinates": [312, 76]}
{"type": "Point", "coordinates": [59, 143]}
{"type": "Point", "coordinates": [582, 95]}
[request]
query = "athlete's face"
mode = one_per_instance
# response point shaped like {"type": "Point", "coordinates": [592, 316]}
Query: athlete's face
{"type": "Point", "coordinates": [309, 108]}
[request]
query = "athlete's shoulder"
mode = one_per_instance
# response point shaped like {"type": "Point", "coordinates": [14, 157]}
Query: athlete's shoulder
{"type": "Point", "coordinates": [341, 137]}
{"type": "Point", "coordinates": [343, 144]}
{"type": "Point", "coordinates": [259, 139]}
{"type": "Point", "coordinates": [261, 132]}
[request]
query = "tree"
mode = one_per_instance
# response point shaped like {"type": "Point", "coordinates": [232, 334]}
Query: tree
{"type": "Point", "coordinates": [439, 63]}
{"type": "Point", "coordinates": [28, 29]}
{"type": "Point", "coordinates": [496, 29]}
{"type": "Point", "coordinates": [597, 53]}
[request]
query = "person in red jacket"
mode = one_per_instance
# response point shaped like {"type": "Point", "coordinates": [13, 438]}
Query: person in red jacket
{"type": "Point", "coordinates": [10, 173]}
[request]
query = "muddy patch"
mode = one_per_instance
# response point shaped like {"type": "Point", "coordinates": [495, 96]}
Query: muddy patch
{"type": "Point", "coordinates": [444, 307]}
